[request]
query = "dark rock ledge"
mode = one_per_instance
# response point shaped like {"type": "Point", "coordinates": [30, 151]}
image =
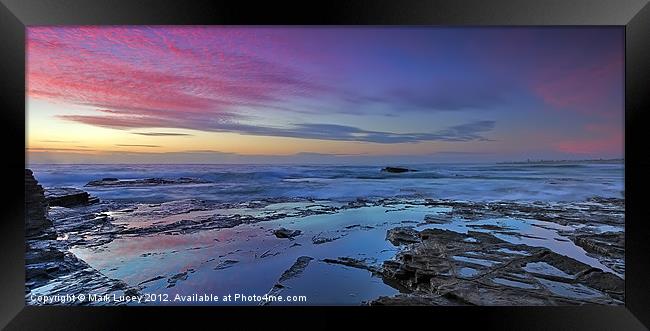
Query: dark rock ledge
{"type": "Point", "coordinates": [585, 216]}
{"type": "Point", "coordinates": [68, 197]}
{"type": "Point", "coordinates": [48, 261]}
{"type": "Point", "coordinates": [397, 170]}
{"type": "Point", "coordinates": [36, 222]}
{"type": "Point", "coordinates": [441, 267]}
{"type": "Point", "coordinates": [296, 269]}
{"type": "Point", "coordinates": [286, 233]}
{"type": "Point", "coordinates": [114, 182]}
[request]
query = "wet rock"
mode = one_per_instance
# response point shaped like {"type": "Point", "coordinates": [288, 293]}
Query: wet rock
{"type": "Point", "coordinates": [605, 282]}
{"type": "Point", "coordinates": [296, 269]}
{"type": "Point", "coordinates": [320, 239]}
{"type": "Point", "coordinates": [171, 281]}
{"type": "Point", "coordinates": [84, 225]}
{"type": "Point", "coordinates": [358, 203]}
{"type": "Point", "coordinates": [47, 261]}
{"type": "Point", "coordinates": [411, 300]}
{"type": "Point", "coordinates": [114, 182]}
{"type": "Point", "coordinates": [354, 263]}
{"type": "Point", "coordinates": [608, 201]}
{"type": "Point", "coordinates": [286, 233]}
{"type": "Point", "coordinates": [146, 219]}
{"type": "Point", "coordinates": [36, 221]}
{"type": "Point", "coordinates": [189, 225]}
{"type": "Point", "coordinates": [438, 218]}
{"type": "Point", "coordinates": [226, 264]}
{"type": "Point", "coordinates": [490, 227]}
{"type": "Point", "coordinates": [402, 235]}
{"type": "Point", "coordinates": [148, 212]}
{"type": "Point", "coordinates": [610, 244]}
{"type": "Point", "coordinates": [42, 252]}
{"type": "Point", "coordinates": [587, 218]}
{"type": "Point", "coordinates": [268, 253]}
{"type": "Point", "coordinates": [150, 280]}
{"type": "Point", "coordinates": [70, 275]}
{"type": "Point", "coordinates": [609, 211]}
{"type": "Point", "coordinates": [396, 170]}
{"type": "Point", "coordinates": [443, 267]}
{"type": "Point", "coordinates": [432, 266]}
{"type": "Point", "coordinates": [68, 197]}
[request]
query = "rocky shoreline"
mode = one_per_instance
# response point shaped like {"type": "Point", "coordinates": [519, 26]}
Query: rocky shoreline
{"type": "Point", "coordinates": [68, 197]}
{"type": "Point", "coordinates": [458, 253]}
{"type": "Point", "coordinates": [115, 182]}
{"type": "Point", "coordinates": [47, 259]}
{"type": "Point", "coordinates": [443, 267]}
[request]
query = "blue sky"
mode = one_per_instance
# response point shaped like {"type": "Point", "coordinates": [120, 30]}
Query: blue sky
{"type": "Point", "coordinates": [137, 94]}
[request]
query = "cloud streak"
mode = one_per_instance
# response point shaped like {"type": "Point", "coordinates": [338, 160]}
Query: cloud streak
{"type": "Point", "coordinates": [341, 85]}
{"type": "Point", "coordinates": [161, 134]}
{"type": "Point", "coordinates": [202, 76]}
{"type": "Point", "coordinates": [161, 72]}
{"type": "Point", "coordinates": [464, 132]}
{"type": "Point", "coordinates": [448, 95]}
{"type": "Point", "coordinates": [137, 145]}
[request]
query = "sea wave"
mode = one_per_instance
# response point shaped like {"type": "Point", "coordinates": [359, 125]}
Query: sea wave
{"type": "Point", "coordinates": [563, 182]}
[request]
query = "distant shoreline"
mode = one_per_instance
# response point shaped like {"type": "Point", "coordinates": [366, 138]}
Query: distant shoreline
{"type": "Point", "coordinates": [563, 161]}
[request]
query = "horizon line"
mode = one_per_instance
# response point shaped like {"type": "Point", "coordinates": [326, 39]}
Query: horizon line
{"type": "Point", "coordinates": [326, 164]}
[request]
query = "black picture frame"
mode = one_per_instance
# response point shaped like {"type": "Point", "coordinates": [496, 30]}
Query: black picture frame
{"type": "Point", "coordinates": [634, 15]}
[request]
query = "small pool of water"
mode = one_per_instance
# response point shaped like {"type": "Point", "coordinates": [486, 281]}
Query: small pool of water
{"type": "Point", "coordinates": [249, 259]}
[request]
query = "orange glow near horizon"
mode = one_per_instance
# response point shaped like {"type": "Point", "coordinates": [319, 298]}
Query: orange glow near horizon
{"type": "Point", "coordinates": [127, 93]}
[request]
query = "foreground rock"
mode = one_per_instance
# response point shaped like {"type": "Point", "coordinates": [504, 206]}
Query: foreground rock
{"type": "Point", "coordinates": [432, 266]}
{"type": "Point", "coordinates": [354, 263]}
{"type": "Point", "coordinates": [286, 233]}
{"type": "Point", "coordinates": [36, 221]}
{"type": "Point", "coordinates": [68, 197]}
{"type": "Point", "coordinates": [55, 273]}
{"type": "Point", "coordinates": [597, 224]}
{"type": "Point", "coordinates": [608, 247]}
{"type": "Point", "coordinates": [402, 235]}
{"type": "Point", "coordinates": [49, 268]}
{"type": "Point", "coordinates": [607, 211]}
{"type": "Point", "coordinates": [296, 269]}
{"type": "Point", "coordinates": [144, 182]}
{"type": "Point", "coordinates": [396, 170]}
{"type": "Point", "coordinates": [98, 224]}
{"type": "Point", "coordinates": [441, 267]}
{"type": "Point", "coordinates": [610, 244]}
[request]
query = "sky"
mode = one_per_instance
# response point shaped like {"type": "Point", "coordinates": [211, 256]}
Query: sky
{"type": "Point", "coordinates": [209, 94]}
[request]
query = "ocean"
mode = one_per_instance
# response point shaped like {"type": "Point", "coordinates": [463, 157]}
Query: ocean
{"type": "Point", "coordinates": [236, 183]}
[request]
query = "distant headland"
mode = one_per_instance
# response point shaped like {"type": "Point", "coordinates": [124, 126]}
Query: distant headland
{"type": "Point", "coordinates": [528, 161]}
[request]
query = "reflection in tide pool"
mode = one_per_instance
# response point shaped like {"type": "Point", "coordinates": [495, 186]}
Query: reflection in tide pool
{"type": "Point", "coordinates": [249, 258]}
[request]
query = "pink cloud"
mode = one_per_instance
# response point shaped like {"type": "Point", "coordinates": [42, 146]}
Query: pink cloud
{"type": "Point", "coordinates": [565, 69]}
{"type": "Point", "coordinates": [121, 121]}
{"type": "Point", "coordinates": [204, 78]}
{"type": "Point", "coordinates": [168, 74]}
{"type": "Point", "coordinates": [592, 90]}
{"type": "Point", "coordinates": [610, 145]}
{"type": "Point", "coordinates": [605, 139]}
